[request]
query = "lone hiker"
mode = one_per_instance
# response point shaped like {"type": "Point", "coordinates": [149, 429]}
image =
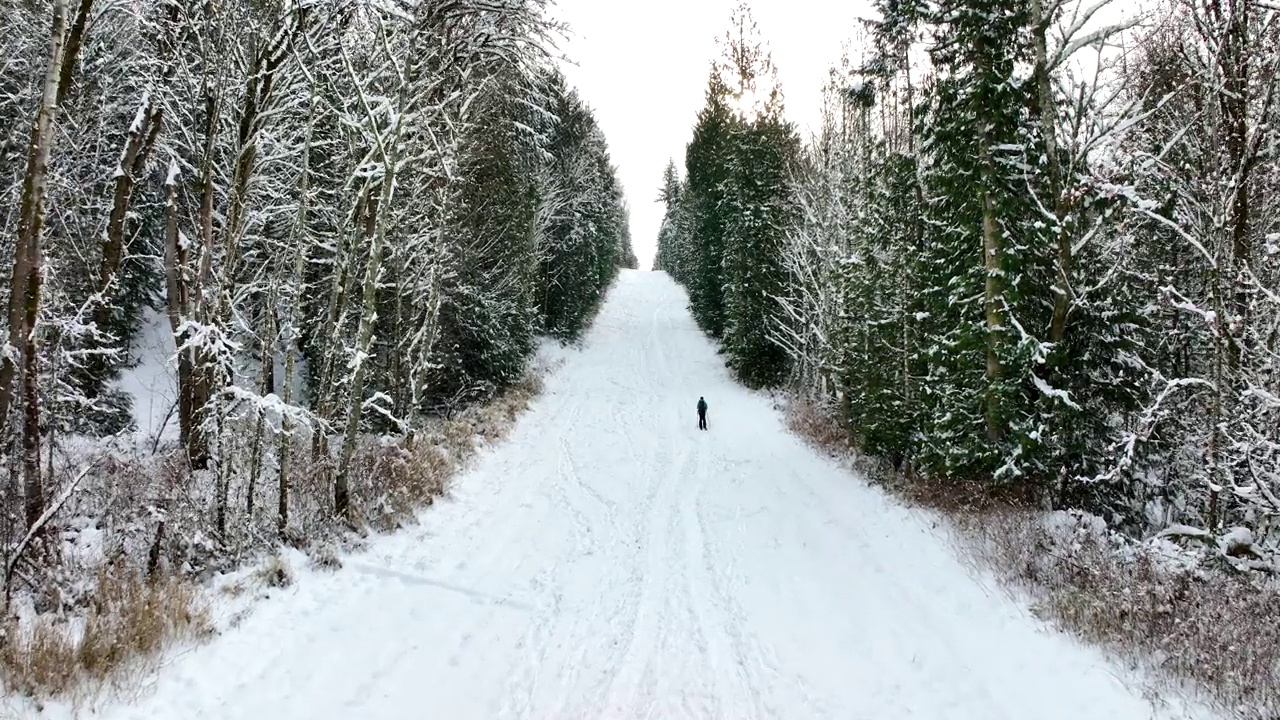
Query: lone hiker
{"type": "Point", "coordinates": [702, 414]}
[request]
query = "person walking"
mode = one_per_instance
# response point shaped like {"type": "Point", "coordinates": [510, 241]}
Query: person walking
{"type": "Point", "coordinates": [702, 414]}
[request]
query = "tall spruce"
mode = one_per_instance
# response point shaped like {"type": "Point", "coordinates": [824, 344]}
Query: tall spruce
{"type": "Point", "coordinates": [703, 201]}
{"type": "Point", "coordinates": [757, 206]}
{"type": "Point", "coordinates": [725, 226]}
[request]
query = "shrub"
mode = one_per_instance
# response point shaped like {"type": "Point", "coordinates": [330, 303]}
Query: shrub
{"type": "Point", "coordinates": [128, 621]}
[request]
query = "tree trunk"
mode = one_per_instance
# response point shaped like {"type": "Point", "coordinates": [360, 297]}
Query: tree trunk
{"type": "Point", "coordinates": [288, 336]}
{"type": "Point", "coordinates": [196, 390]}
{"type": "Point", "coordinates": [267, 59]}
{"type": "Point", "coordinates": [286, 428]}
{"type": "Point", "coordinates": [31, 395]}
{"type": "Point", "coordinates": [342, 288]}
{"type": "Point", "coordinates": [31, 211]}
{"type": "Point", "coordinates": [1233, 100]}
{"type": "Point", "coordinates": [153, 555]}
{"type": "Point", "coordinates": [177, 289]}
{"type": "Point", "coordinates": [993, 264]}
{"type": "Point", "coordinates": [993, 297]}
{"type": "Point", "coordinates": [917, 235]}
{"type": "Point", "coordinates": [74, 42]}
{"type": "Point", "coordinates": [24, 298]}
{"type": "Point", "coordinates": [364, 340]}
{"type": "Point", "coordinates": [142, 138]}
{"type": "Point", "coordinates": [266, 387]}
{"type": "Point", "coordinates": [221, 484]}
{"type": "Point", "coordinates": [1213, 461]}
{"type": "Point", "coordinates": [377, 219]}
{"type": "Point", "coordinates": [1046, 106]}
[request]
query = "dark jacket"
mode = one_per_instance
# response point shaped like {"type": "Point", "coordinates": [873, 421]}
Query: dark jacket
{"type": "Point", "coordinates": [702, 406]}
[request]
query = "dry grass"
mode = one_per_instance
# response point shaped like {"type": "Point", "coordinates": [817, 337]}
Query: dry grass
{"type": "Point", "coordinates": [491, 421]}
{"type": "Point", "coordinates": [1206, 624]}
{"type": "Point", "coordinates": [819, 427]}
{"type": "Point", "coordinates": [393, 481]}
{"type": "Point", "coordinates": [275, 573]}
{"type": "Point", "coordinates": [128, 620]}
{"type": "Point", "coordinates": [500, 415]}
{"type": "Point", "coordinates": [1213, 627]}
{"type": "Point", "coordinates": [323, 557]}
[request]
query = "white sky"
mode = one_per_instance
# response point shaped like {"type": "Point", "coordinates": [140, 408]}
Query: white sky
{"type": "Point", "coordinates": [643, 67]}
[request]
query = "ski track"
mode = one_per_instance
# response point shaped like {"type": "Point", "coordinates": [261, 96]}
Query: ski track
{"type": "Point", "coordinates": [611, 561]}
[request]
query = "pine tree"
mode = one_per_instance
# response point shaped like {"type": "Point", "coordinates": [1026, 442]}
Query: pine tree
{"type": "Point", "coordinates": [758, 206]}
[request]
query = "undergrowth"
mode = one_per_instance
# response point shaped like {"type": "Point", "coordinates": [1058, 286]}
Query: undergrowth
{"type": "Point", "coordinates": [127, 620]}
{"type": "Point", "coordinates": [123, 577]}
{"type": "Point", "coordinates": [1182, 616]}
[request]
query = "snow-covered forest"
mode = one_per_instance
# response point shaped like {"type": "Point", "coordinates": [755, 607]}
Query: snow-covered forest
{"type": "Point", "coordinates": [1027, 271]}
{"type": "Point", "coordinates": [1040, 251]}
{"type": "Point", "coordinates": [351, 219]}
{"type": "Point", "coordinates": [280, 268]}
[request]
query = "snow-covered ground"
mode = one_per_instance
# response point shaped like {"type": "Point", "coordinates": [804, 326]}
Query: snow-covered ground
{"type": "Point", "coordinates": [611, 561]}
{"type": "Point", "coordinates": [151, 380]}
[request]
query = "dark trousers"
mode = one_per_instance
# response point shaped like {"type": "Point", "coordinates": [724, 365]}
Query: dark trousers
{"type": "Point", "coordinates": [702, 421]}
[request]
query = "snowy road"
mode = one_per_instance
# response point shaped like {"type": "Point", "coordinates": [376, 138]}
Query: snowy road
{"type": "Point", "coordinates": [610, 561]}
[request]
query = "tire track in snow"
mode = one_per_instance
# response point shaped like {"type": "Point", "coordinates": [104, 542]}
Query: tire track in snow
{"type": "Point", "coordinates": [711, 618]}
{"type": "Point", "coordinates": [632, 673]}
{"type": "Point", "coordinates": [537, 641]}
{"type": "Point", "coordinates": [641, 635]}
{"type": "Point", "coordinates": [754, 666]}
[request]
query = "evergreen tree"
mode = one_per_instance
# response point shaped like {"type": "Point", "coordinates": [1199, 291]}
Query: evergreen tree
{"type": "Point", "coordinates": [980, 356]}
{"type": "Point", "coordinates": [668, 256]}
{"type": "Point", "coordinates": [584, 238]}
{"type": "Point", "coordinates": [488, 317]}
{"type": "Point", "coordinates": [757, 207]}
{"type": "Point", "coordinates": [1002, 269]}
{"type": "Point", "coordinates": [704, 208]}
{"type": "Point", "coordinates": [724, 228]}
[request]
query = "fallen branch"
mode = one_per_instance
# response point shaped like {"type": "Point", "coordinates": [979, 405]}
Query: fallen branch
{"type": "Point", "coordinates": [43, 520]}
